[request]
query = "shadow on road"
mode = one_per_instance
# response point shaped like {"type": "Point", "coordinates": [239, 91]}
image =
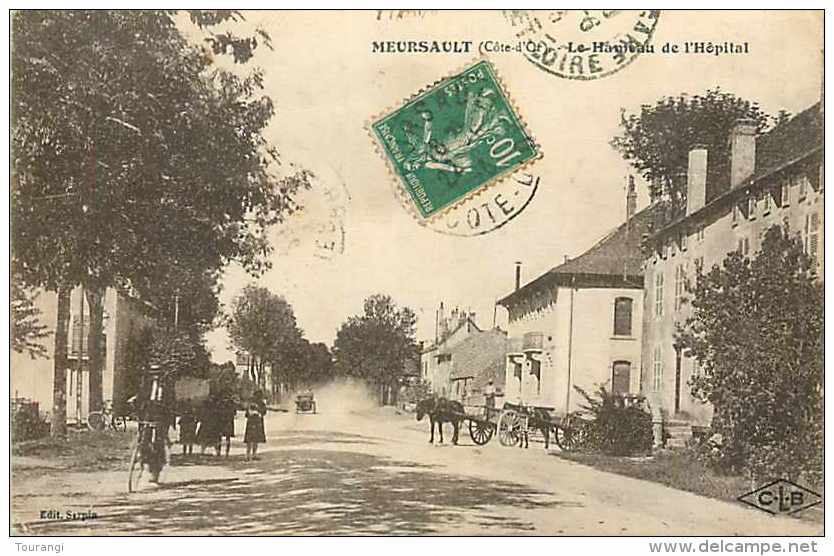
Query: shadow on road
{"type": "Point", "coordinates": [310, 491]}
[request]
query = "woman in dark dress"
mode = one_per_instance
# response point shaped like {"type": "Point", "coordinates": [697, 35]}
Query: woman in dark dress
{"type": "Point", "coordinates": [227, 428]}
{"type": "Point", "coordinates": [209, 432]}
{"type": "Point", "coordinates": [254, 425]}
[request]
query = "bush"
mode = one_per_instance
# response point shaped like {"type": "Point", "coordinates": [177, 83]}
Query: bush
{"type": "Point", "coordinates": [27, 423]}
{"type": "Point", "coordinates": [757, 330]}
{"type": "Point", "coordinates": [617, 426]}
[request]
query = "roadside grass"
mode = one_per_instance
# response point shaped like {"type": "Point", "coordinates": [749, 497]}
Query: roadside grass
{"type": "Point", "coordinates": [80, 451]}
{"type": "Point", "coordinates": [679, 469]}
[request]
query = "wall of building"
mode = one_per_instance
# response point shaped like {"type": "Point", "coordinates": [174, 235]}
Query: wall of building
{"type": "Point", "coordinates": [721, 235]}
{"type": "Point", "coordinates": [437, 373]}
{"type": "Point", "coordinates": [33, 378]}
{"type": "Point", "coordinates": [583, 357]}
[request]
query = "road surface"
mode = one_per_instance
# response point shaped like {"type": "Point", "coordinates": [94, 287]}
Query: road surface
{"type": "Point", "coordinates": [373, 472]}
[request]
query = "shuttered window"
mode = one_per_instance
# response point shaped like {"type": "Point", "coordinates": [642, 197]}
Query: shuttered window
{"type": "Point", "coordinates": [657, 378]}
{"type": "Point", "coordinates": [658, 295]}
{"type": "Point", "coordinates": [622, 316]}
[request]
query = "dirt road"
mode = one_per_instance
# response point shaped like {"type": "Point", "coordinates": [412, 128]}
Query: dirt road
{"type": "Point", "coordinates": [373, 472]}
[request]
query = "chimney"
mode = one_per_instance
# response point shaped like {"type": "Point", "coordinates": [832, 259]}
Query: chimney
{"type": "Point", "coordinates": [742, 151]}
{"type": "Point", "coordinates": [631, 199]}
{"type": "Point", "coordinates": [696, 178]}
{"type": "Point", "coordinates": [517, 275]}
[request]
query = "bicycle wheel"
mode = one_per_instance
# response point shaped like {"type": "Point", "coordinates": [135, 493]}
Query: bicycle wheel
{"type": "Point", "coordinates": [136, 465]}
{"type": "Point", "coordinates": [119, 423]}
{"type": "Point", "coordinates": [95, 421]}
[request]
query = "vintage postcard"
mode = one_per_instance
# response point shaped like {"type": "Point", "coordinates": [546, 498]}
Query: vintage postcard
{"type": "Point", "coordinates": [417, 273]}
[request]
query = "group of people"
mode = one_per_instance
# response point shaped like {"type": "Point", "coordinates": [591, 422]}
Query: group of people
{"type": "Point", "coordinates": [214, 422]}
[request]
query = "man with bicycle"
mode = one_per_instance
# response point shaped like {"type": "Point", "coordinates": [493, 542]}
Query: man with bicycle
{"type": "Point", "coordinates": [155, 419]}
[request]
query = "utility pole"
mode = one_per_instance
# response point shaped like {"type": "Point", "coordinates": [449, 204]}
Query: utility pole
{"type": "Point", "coordinates": [176, 308]}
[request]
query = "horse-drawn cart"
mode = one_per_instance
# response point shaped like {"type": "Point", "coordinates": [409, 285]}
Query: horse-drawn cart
{"type": "Point", "coordinates": [510, 422]}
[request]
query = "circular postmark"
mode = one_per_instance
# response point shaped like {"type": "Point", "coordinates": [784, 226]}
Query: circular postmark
{"type": "Point", "coordinates": [318, 229]}
{"type": "Point", "coordinates": [490, 210]}
{"type": "Point", "coordinates": [584, 44]}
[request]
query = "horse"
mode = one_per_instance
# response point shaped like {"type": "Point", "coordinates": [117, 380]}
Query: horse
{"type": "Point", "coordinates": [440, 411]}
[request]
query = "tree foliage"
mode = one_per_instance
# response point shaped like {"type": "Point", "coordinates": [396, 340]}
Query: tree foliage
{"type": "Point", "coordinates": [180, 354]}
{"type": "Point", "coordinates": [27, 329]}
{"type": "Point", "coordinates": [262, 324]}
{"type": "Point", "coordinates": [657, 140]}
{"type": "Point", "coordinates": [152, 158]}
{"type": "Point", "coordinates": [756, 331]}
{"type": "Point", "coordinates": [376, 344]}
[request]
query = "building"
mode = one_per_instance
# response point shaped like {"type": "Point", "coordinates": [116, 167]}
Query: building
{"type": "Point", "coordinates": [475, 361]}
{"type": "Point", "coordinates": [435, 359]}
{"type": "Point", "coordinates": [579, 323]}
{"type": "Point", "coordinates": [772, 179]}
{"type": "Point", "coordinates": [124, 318]}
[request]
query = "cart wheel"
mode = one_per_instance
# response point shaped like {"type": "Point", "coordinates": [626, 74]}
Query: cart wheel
{"type": "Point", "coordinates": [136, 466]}
{"type": "Point", "coordinates": [509, 425]}
{"type": "Point", "coordinates": [570, 435]}
{"type": "Point", "coordinates": [95, 421]}
{"type": "Point", "coordinates": [120, 423]}
{"type": "Point", "coordinates": [481, 431]}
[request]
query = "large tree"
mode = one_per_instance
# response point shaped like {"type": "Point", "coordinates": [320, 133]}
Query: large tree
{"type": "Point", "coordinates": [375, 345]}
{"type": "Point", "coordinates": [657, 139]}
{"type": "Point", "coordinates": [262, 324]}
{"type": "Point", "coordinates": [149, 156]}
{"type": "Point", "coordinates": [756, 331]}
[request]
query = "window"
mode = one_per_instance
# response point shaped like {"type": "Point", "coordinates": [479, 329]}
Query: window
{"type": "Point", "coordinates": [768, 202]}
{"type": "Point", "coordinates": [444, 358]}
{"type": "Point", "coordinates": [683, 238]}
{"type": "Point", "coordinates": [696, 367]}
{"type": "Point", "coordinates": [699, 264]}
{"type": "Point", "coordinates": [752, 201]}
{"type": "Point", "coordinates": [622, 316]}
{"type": "Point", "coordinates": [812, 232]}
{"type": "Point", "coordinates": [658, 294]}
{"type": "Point", "coordinates": [786, 193]}
{"type": "Point", "coordinates": [700, 233]}
{"type": "Point", "coordinates": [735, 215]}
{"type": "Point", "coordinates": [680, 285]}
{"type": "Point", "coordinates": [802, 180]}
{"type": "Point", "coordinates": [743, 246]}
{"type": "Point", "coordinates": [657, 376]}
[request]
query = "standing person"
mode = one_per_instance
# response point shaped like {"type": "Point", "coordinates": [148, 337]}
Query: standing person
{"type": "Point", "coordinates": [209, 432]}
{"type": "Point", "coordinates": [489, 394]}
{"type": "Point", "coordinates": [227, 428]}
{"type": "Point", "coordinates": [188, 431]}
{"type": "Point", "coordinates": [254, 425]}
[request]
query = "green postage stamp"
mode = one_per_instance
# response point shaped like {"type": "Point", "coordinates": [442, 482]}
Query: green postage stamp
{"type": "Point", "coordinates": [454, 139]}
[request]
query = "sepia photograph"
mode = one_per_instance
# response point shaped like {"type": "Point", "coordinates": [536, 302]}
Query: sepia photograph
{"type": "Point", "coordinates": [539, 273]}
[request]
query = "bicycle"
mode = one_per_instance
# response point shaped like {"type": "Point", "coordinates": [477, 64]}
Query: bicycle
{"type": "Point", "coordinates": [150, 449]}
{"type": "Point", "coordinates": [106, 419]}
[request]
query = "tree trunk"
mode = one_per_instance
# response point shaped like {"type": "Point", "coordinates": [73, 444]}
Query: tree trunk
{"type": "Point", "coordinates": [95, 299]}
{"type": "Point", "coordinates": [59, 380]}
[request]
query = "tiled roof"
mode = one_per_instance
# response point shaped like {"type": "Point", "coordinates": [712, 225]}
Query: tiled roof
{"type": "Point", "coordinates": [617, 252]}
{"type": "Point", "coordinates": [616, 255]}
{"type": "Point", "coordinates": [481, 356]}
{"type": "Point", "coordinates": [789, 141]}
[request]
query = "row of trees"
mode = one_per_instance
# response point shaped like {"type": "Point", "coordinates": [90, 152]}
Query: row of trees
{"type": "Point", "coordinates": [138, 164]}
{"type": "Point", "coordinates": [374, 346]}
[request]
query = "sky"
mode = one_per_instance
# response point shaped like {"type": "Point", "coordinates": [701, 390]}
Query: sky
{"type": "Point", "coordinates": [327, 85]}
